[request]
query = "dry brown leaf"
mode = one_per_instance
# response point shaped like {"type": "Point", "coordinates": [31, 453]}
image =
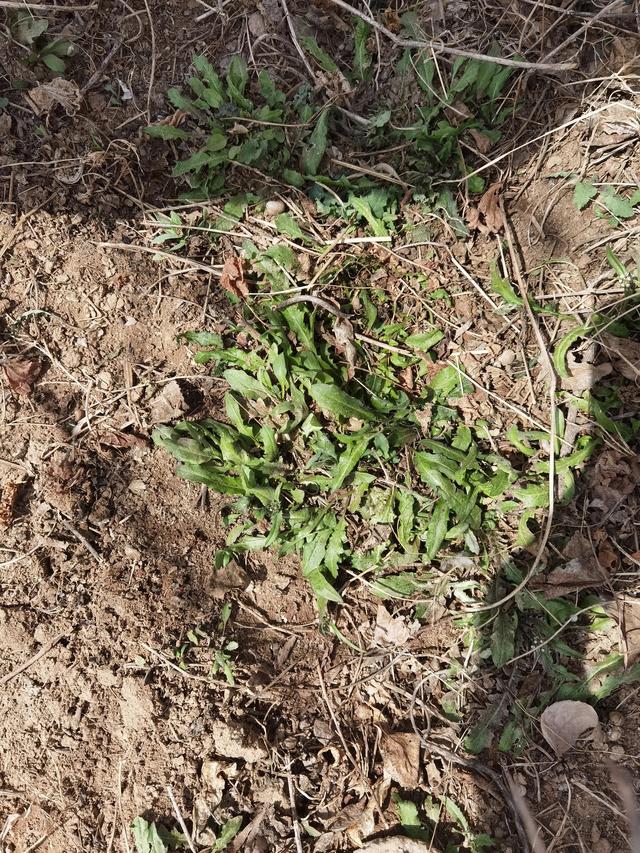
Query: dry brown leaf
{"type": "Point", "coordinates": [401, 757]}
{"type": "Point", "coordinates": [232, 278]}
{"type": "Point", "coordinates": [624, 353]}
{"type": "Point", "coordinates": [626, 611]}
{"type": "Point", "coordinates": [583, 376]}
{"type": "Point", "coordinates": [343, 331]}
{"type": "Point", "coordinates": [176, 399]}
{"type": "Point", "coordinates": [22, 373]}
{"type": "Point", "coordinates": [487, 217]}
{"type": "Point", "coordinates": [391, 630]}
{"type": "Point", "coordinates": [59, 91]}
{"type": "Point", "coordinates": [564, 722]}
{"type": "Point", "coordinates": [489, 208]}
{"type": "Point", "coordinates": [8, 499]}
{"type": "Point", "coordinates": [581, 571]}
{"type": "Point", "coordinates": [399, 844]}
{"type": "Point", "coordinates": [613, 477]}
{"type": "Point", "coordinates": [483, 143]}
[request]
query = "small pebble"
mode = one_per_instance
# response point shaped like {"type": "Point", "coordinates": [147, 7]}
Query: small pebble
{"type": "Point", "coordinates": [616, 718]}
{"type": "Point", "coordinates": [617, 750]}
{"type": "Point", "coordinates": [273, 208]}
{"type": "Point", "coordinates": [615, 734]}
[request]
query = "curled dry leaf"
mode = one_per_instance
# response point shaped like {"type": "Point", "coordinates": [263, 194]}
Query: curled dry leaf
{"type": "Point", "coordinates": [564, 722]}
{"type": "Point", "coordinates": [582, 376]}
{"type": "Point", "coordinates": [401, 756]}
{"type": "Point", "coordinates": [487, 218]}
{"type": "Point", "coordinates": [626, 611]}
{"type": "Point", "coordinates": [22, 373]}
{"type": "Point", "coordinates": [233, 279]}
{"type": "Point", "coordinates": [59, 91]}
{"type": "Point", "coordinates": [8, 500]}
{"type": "Point", "coordinates": [613, 477]}
{"type": "Point", "coordinates": [397, 844]}
{"type": "Point", "coordinates": [624, 353]}
{"type": "Point", "coordinates": [177, 398]}
{"type": "Point", "coordinates": [343, 330]}
{"type": "Point", "coordinates": [391, 630]}
{"type": "Point", "coordinates": [580, 571]}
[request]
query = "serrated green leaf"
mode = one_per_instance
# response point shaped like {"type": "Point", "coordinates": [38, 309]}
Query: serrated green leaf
{"type": "Point", "coordinates": [334, 401]}
{"type": "Point", "coordinates": [361, 56]}
{"type": "Point", "coordinates": [54, 63]}
{"type": "Point", "coordinates": [286, 224]}
{"type": "Point", "coordinates": [583, 192]}
{"type": "Point", "coordinates": [503, 637]}
{"type": "Point", "coordinates": [296, 179]}
{"type": "Point", "coordinates": [228, 833]}
{"type": "Point", "coordinates": [348, 460]}
{"type": "Point", "coordinates": [237, 79]}
{"type": "Point", "coordinates": [437, 529]}
{"type": "Point", "coordinates": [191, 164]}
{"type": "Point", "coordinates": [469, 76]}
{"type": "Point", "coordinates": [181, 102]}
{"type": "Point", "coordinates": [362, 206]}
{"type": "Point", "coordinates": [534, 496]}
{"type": "Point", "coordinates": [406, 518]}
{"type": "Point", "coordinates": [559, 356]}
{"type": "Point", "coordinates": [322, 57]}
{"type": "Point", "coordinates": [617, 205]}
{"type": "Point", "coordinates": [27, 29]}
{"type": "Point", "coordinates": [322, 588]}
{"type": "Point", "coordinates": [245, 384]}
{"type": "Point", "coordinates": [503, 288]}
{"type": "Point", "coordinates": [481, 735]}
{"type": "Point", "coordinates": [407, 813]}
{"type": "Point", "coordinates": [215, 91]}
{"type": "Point", "coordinates": [317, 145]}
{"type": "Point", "coordinates": [146, 837]}
{"type": "Point", "coordinates": [165, 131]}
{"type": "Point", "coordinates": [424, 341]}
{"type": "Point", "coordinates": [456, 814]}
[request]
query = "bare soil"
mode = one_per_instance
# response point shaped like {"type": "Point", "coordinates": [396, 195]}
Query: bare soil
{"type": "Point", "coordinates": [106, 558]}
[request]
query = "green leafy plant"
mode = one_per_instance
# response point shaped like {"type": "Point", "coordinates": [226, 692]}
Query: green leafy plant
{"type": "Point", "coordinates": [240, 121]}
{"type": "Point", "coordinates": [228, 128]}
{"type": "Point", "coordinates": [608, 203]}
{"type": "Point", "coordinates": [150, 837]}
{"type": "Point", "coordinates": [32, 33]}
{"type": "Point", "coordinates": [423, 826]}
{"type": "Point", "coordinates": [307, 455]}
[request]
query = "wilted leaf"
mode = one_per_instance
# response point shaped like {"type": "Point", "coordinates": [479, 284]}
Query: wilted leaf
{"type": "Point", "coordinates": [503, 636]}
{"type": "Point", "coordinates": [333, 401]}
{"type": "Point", "coordinates": [232, 278]}
{"type": "Point", "coordinates": [22, 373]}
{"type": "Point", "coordinates": [625, 354]}
{"type": "Point", "coordinates": [488, 217]}
{"type": "Point", "coordinates": [316, 146]}
{"type": "Point", "coordinates": [343, 330]}
{"type": "Point", "coordinates": [580, 571]}
{"type": "Point", "coordinates": [583, 192]}
{"type": "Point", "coordinates": [58, 91]}
{"type": "Point", "coordinates": [391, 630]}
{"type": "Point", "coordinates": [401, 756]}
{"type": "Point", "coordinates": [399, 844]}
{"type": "Point", "coordinates": [563, 722]}
{"type": "Point", "coordinates": [176, 399]}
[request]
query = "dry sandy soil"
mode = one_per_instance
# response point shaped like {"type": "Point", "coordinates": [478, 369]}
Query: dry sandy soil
{"type": "Point", "coordinates": [106, 558]}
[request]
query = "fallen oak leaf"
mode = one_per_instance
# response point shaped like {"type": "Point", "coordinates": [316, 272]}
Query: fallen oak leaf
{"type": "Point", "coordinates": [22, 373]}
{"type": "Point", "coordinates": [562, 723]}
{"type": "Point", "coordinates": [232, 278]}
{"type": "Point", "coordinates": [343, 331]}
{"type": "Point", "coordinates": [401, 758]}
{"type": "Point", "coordinates": [486, 217]}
